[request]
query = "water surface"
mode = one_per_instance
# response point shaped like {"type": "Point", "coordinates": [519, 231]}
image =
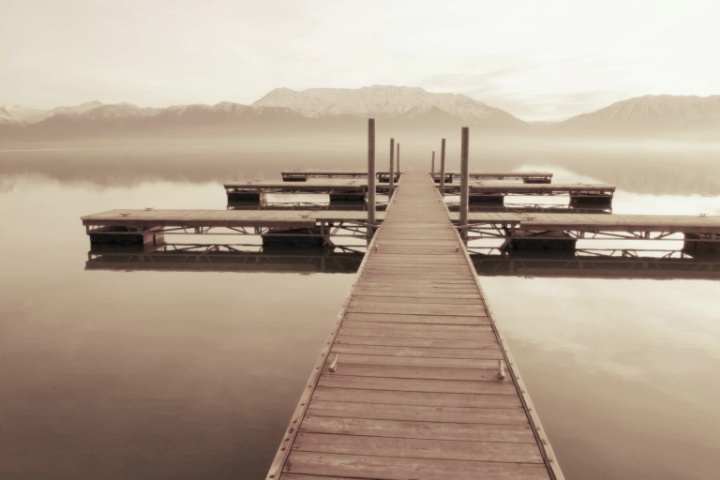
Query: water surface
{"type": "Point", "coordinates": [194, 374]}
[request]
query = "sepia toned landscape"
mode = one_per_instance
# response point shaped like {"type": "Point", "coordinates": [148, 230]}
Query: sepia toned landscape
{"type": "Point", "coordinates": [175, 304]}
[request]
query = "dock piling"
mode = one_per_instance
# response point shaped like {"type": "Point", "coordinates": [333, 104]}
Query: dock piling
{"type": "Point", "coordinates": [392, 165]}
{"type": "Point", "coordinates": [371, 178]}
{"type": "Point", "coordinates": [397, 159]}
{"type": "Point", "coordinates": [464, 184]}
{"type": "Point", "coordinates": [432, 165]}
{"type": "Point", "coordinates": [442, 167]}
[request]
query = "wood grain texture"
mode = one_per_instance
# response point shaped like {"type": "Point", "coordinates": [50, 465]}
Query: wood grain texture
{"type": "Point", "coordinates": [414, 391]}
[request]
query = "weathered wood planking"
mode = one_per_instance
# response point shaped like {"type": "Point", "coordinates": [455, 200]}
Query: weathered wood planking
{"type": "Point", "coordinates": [408, 385]}
{"type": "Point", "coordinates": [222, 218]}
{"type": "Point", "coordinates": [598, 222]}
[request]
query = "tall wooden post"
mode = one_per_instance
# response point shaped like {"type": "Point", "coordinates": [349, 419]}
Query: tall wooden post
{"type": "Point", "coordinates": [371, 178]}
{"type": "Point", "coordinates": [464, 185]}
{"type": "Point", "coordinates": [432, 166]}
{"type": "Point", "coordinates": [397, 159]}
{"type": "Point", "coordinates": [442, 167]}
{"type": "Point", "coordinates": [392, 165]}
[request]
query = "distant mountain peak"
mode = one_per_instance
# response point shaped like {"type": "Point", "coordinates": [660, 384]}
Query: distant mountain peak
{"type": "Point", "coordinates": [338, 109]}
{"type": "Point", "coordinates": [383, 100]}
{"type": "Point", "coordinates": [75, 110]}
{"type": "Point", "coordinates": [654, 112]}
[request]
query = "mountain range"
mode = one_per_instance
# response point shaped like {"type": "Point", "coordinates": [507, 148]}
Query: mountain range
{"type": "Point", "coordinates": [340, 109]}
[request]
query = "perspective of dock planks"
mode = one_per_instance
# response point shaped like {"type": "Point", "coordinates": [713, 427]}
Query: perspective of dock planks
{"type": "Point", "coordinates": [415, 382]}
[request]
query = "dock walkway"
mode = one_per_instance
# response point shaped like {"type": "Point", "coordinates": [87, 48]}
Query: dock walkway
{"type": "Point", "coordinates": [408, 385]}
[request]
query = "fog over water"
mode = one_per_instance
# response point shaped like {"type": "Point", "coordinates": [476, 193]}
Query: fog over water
{"type": "Point", "coordinates": [640, 166]}
{"type": "Point", "coordinates": [130, 374]}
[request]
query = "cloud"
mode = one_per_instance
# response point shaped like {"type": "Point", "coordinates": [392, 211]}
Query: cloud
{"type": "Point", "coordinates": [549, 87]}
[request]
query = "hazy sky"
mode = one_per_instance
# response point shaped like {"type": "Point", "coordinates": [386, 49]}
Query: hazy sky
{"type": "Point", "coordinates": [538, 59]}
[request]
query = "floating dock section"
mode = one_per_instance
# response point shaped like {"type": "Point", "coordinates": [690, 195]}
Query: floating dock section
{"type": "Point", "coordinates": [415, 381]}
{"type": "Point", "coordinates": [521, 232]}
{"type": "Point", "coordinates": [494, 193]}
{"type": "Point", "coordinates": [339, 190]}
{"type": "Point", "coordinates": [304, 175]}
{"type": "Point", "coordinates": [289, 228]}
{"type": "Point", "coordinates": [560, 232]}
{"type": "Point", "coordinates": [525, 177]}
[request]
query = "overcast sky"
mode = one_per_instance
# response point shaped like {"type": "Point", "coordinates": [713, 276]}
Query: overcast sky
{"type": "Point", "coordinates": [540, 60]}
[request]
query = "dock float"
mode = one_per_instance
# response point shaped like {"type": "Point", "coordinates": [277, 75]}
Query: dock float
{"type": "Point", "coordinates": [415, 381]}
{"type": "Point", "coordinates": [493, 193]}
{"type": "Point", "coordinates": [304, 175]}
{"type": "Point", "coordinates": [525, 177]}
{"type": "Point", "coordinates": [340, 190]}
{"type": "Point", "coordinates": [547, 231]}
{"type": "Point", "coordinates": [286, 228]}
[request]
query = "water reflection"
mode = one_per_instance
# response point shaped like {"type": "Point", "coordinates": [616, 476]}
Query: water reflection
{"type": "Point", "coordinates": [288, 261]}
{"type": "Point", "coordinates": [640, 167]}
{"type": "Point", "coordinates": [627, 369]}
{"type": "Point", "coordinates": [188, 374]}
{"type": "Point", "coordinates": [596, 267]}
{"type": "Point", "coordinates": [298, 261]}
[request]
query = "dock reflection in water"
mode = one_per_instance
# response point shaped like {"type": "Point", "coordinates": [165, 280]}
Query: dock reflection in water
{"type": "Point", "coordinates": [294, 261]}
{"type": "Point", "coordinates": [278, 261]}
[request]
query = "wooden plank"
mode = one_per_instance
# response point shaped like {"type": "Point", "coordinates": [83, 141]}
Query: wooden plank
{"type": "Point", "coordinates": [418, 448]}
{"type": "Point", "coordinates": [221, 218]}
{"type": "Point", "coordinates": [360, 306]}
{"type": "Point", "coordinates": [488, 342]}
{"type": "Point", "coordinates": [407, 361]}
{"type": "Point", "coordinates": [292, 476]}
{"type": "Point", "coordinates": [417, 293]}
{"type": "Point", "coordinates": [478, 432]}
{"type": "Point", "coordinates": [419, 300]}
{"type": "Point", "coordinates": [429, 399]}
{"type": "Point", "coordinates": [411, 260]}
{"type": "Point", "coordinates": [392, 468]}
{"type": "Point", "coordinates": [490, 416]}
{"type": "Point", "coordinates": [492, 352]}
{"type": "Point", "coordinates": [423, 250]}
{"type": "Point", "coordinates": [388, 332]}
{"type": "Point", "coordinates": [419, 327]}
{"type": "Point", "coordinates": [469, 374]}
{"type": "Point", "coordinates": [421, 286]}
{"type": "Point", "coordinates": [418, 385]}
{"type": "Point", "coordinates": [411, 274]}
{"type": "Point", "coordinates": [418, 319]}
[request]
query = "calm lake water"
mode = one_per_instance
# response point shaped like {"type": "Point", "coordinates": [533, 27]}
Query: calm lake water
{"type": "Point", "coordinates": [193, 374]}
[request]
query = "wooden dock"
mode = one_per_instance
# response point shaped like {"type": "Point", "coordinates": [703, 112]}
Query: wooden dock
{"type": "Point", "coordinates": [596, 223]}
{"type": "Point", "coordinates": [304, 175]}
{"type": "Point", "coordinates": [339, 189]}
{"type": "Point", "coordinates": [147, 228]}
{"type": "Point", "coordinates": [202, 219]}
{"type": "Point", "coordinates": [579, 195]}
{"type": "Point", "coordinates": [525, 177]}
{"type": "Point", "coordinates": [415, 381]}
{"type": "Point", "coordinates": [521, 232]}
{"type": "Point", "coordinates": [559, 232]}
